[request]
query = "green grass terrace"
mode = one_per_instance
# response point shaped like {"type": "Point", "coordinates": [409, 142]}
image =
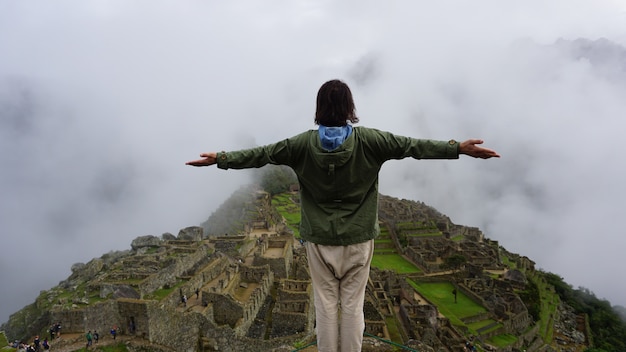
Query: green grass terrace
{"type": "Point", "coordinates": [440, 294]}
{"type": "Point", "coordinates": [395, 262]}
{"type": "Point", "coordinates": [289, 210]}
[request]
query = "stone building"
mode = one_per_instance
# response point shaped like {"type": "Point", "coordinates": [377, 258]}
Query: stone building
{"type": "Point", "coordinates": [294, 311]}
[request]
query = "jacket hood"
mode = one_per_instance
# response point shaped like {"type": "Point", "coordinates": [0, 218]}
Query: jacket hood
{"type": "Point", "coordinates": [329, 160]}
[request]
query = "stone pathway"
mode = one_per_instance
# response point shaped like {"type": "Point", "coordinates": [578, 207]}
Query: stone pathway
{"type": "Point", "coordinates": [77, 342]}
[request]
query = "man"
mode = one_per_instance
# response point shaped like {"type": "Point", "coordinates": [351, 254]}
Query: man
{"type": "Point", "coordinates": [36, 343]}
{"type": "Point", "coordinates": [89, 338]}
{"type": "Point", "coordinates": [337, 167]}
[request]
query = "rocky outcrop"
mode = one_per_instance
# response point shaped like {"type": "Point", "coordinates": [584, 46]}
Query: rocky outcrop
{"type": "Point", "coordinates": [145, 241]}
{"type": "Point", "coordinates": [192, 233]}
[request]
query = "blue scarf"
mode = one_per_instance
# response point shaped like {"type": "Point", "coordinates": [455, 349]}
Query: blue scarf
{"type": "Point", "coordinates": [333, 137]}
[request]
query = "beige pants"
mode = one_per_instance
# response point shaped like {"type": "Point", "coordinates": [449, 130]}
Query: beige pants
{"type": "Point", "coordinates": [339, 275]}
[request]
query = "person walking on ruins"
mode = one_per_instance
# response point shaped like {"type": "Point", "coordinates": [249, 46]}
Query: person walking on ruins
{"type": "Point", "coordinates": [89, 338]}
{"type": "Point", "coordinates": [36, 343]}
{"type": "Point", "coordinates": [337, 167]}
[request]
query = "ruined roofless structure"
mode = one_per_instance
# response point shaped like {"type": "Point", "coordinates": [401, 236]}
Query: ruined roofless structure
{"type": "Point", "coordinates": [250, 291]}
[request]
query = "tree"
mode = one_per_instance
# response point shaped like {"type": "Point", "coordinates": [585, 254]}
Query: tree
{"type": "Point", "coordinates": [454, 262]}
{"type": "Point", "coordinates": [276, 179]}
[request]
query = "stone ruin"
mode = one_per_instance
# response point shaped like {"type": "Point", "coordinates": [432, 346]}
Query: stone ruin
{"type": "Point", "coordinates": [230, 295]}
{"type": "Point", "coordinates": [252, 291]}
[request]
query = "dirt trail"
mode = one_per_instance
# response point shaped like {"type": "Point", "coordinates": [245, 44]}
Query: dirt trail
{"type": "Point", "coordinates": [76, 342]}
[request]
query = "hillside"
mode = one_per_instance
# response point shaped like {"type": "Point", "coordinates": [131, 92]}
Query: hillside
{"type": "Point", "coordinates": [240, 283]}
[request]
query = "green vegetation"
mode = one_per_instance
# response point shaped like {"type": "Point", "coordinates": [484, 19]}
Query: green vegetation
{"type": "Point", "coordinates": [120, 347]}
{"type": "Point", "coordinates": [152, 250]}
{"type": "Point", "coordinates": [394, 262]}
{"type": "Point", "coordinates": [506, 261]}
{"type": "Point", "coordinates": [67, 297]}
{"type": "Point", "coordinates": [425, 234]}
{"type": "Point", "coordinates": [95, 298]}
{"type": "Point", "coordinates": [503, 340]}
{"type": "Point", "coordinates": [441, 294]}
{"type": "Point", "coordinates": [276, 179]}
{"type": "Point", "coordinates": [385, 251]}
{"type": "Point", "coordinates": [549, 302]}
{"type": "Point", "coordinates": [303, 343]}
{"type": "Point", "coordinates": [608, 329]}
{"type": "Point", "coordinates": [4, 343]}
{"type": "Point", "coordinates": [480, 324]}
{"type": "Point", "coordinates": [531, 298]}
{"type": "Point", "coordinates": [454, 262]}
{"type": "Point", "coordinates": [231, 216]}
{"type": "Point", "coordinates": [394, 332]}
{"type": "Point", "coordinates": [457, 238]}
{"type": "Point", "coordinates": [164, 292]}
{"type": "Point", "coordinates": [384, 238]}
{"type": "Point", "coordinates": [289, 210]}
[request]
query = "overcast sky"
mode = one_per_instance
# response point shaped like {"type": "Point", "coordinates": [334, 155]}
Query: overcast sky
{"type": "Point", "coordinates": [102, 102]}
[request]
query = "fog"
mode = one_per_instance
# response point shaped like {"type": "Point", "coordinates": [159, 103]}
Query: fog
{"type": "Point", "coordinates": [102, 102]}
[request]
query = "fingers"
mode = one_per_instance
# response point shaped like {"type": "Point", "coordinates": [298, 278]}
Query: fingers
{"type": "Point", "coordinates": [470, 147]}
{"type": "Point", "coordinates": [208, 159]}
{"type": "Point", "coordinates": [488, 153]}
{"type": "Point", "coordinates": [199, 162]}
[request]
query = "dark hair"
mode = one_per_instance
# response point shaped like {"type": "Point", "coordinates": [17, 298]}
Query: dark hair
{"type": "Point", "coordinates": [335, 106]}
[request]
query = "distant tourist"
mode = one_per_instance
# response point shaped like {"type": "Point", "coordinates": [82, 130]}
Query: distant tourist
{"type": "Point", "coordinates": [114, 332]}
{"type": "Point", "coordinates": [36, 343]}
{"type": "Point", "coordinates": [89, 338]}
{"type": "Point", "coordinates": [337, 168]}
{"type": "Point", "coordinates": [57, 329]}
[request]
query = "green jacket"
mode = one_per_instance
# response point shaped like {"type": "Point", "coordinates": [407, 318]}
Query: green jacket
{"type": "Point", "coordinates": [339, 188]}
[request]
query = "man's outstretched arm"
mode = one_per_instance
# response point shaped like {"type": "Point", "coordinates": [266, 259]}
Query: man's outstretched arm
{"type": "Point", "coordinates": [208, 159]}
{"type": "Point", "coordinates": [470, 147]}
